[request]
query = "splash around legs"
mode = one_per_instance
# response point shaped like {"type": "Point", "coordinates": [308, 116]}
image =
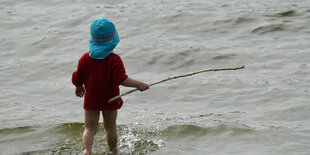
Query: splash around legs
{"type": "Point", "coordinates": [91, 127]}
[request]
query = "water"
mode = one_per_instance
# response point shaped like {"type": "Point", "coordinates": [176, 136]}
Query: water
{"type": "Point", "coordinates": [263, 109]}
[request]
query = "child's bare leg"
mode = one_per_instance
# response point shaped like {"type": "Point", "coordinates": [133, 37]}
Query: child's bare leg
{"type": "Point", "coordinates": [109, 124]}
{"type": "Point", "coordinates": [90, 129]}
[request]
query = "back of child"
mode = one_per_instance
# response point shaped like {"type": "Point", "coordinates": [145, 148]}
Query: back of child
{"type": "Point", "coordinates": [101, 78]}
{"type": "Point", "coordinates": [97, 79]}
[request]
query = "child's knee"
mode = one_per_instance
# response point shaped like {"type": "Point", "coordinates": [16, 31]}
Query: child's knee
{"type": "Point", "coordinates": [91, 131]}
{"type": "Point", "coordinates": [109, 126]}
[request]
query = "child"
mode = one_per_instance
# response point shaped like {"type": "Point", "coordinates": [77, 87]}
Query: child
{"type": "Point", "coordinates": [97, 78]}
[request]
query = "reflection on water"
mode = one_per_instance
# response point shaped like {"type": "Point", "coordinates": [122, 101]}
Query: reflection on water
{"type": "Point", "coordinates": [133, 139]}
{"type": "Point", "coordinates": [66, 139]}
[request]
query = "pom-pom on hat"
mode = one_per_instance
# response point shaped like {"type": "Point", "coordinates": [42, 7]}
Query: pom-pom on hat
{"type": "Point", "coordinates": [104, 38]}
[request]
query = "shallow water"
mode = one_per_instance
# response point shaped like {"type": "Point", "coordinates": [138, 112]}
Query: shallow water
{"type": "Point", "coordinates": [263, 109]}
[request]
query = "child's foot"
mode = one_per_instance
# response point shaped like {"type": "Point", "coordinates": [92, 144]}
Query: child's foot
{"type": "Point", "coordinates": [86, 152]}
{"type": "Point", "coordinates": [113, 152]}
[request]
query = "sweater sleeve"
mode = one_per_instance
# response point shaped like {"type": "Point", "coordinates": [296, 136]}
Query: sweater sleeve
{"type": "Point", "coordinates": [77, 76]}
{"type": "Point", "coordinates": [118, 71]}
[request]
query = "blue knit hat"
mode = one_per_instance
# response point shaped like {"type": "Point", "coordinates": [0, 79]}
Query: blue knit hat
{"type": "Point", "coordinates": [104, 38]}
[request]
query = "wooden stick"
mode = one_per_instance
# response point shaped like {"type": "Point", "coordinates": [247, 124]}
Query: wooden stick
{"type": "Point", "coordinates": [172, 78]}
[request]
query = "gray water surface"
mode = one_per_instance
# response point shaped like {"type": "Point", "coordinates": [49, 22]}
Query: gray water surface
{"type": "Point", "coordinates": [262, 109]}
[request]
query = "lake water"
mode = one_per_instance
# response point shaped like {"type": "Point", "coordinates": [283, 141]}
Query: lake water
{"type": "Point", "coordinates": [262, 109]}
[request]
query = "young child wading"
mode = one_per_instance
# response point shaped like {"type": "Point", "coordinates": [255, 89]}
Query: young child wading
{"type": "Point", "coordinates": [97, 78]}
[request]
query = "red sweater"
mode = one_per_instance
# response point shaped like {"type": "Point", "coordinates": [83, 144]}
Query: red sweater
{"type": "Point", "coordinates": [101, 79]}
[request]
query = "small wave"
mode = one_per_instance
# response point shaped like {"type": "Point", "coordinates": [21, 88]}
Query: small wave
{"type": "Point", "coordinates": [240, 20]}
{"type": "Point", "coordinates": [288, 13]}
{"type": "Point", "coordinates": [268, 28]}
{"type": "Point", "coordinates": [233, 21]}
{"type": "Point", "coordinates": [226, 56]}
{"type": "Point", "coordinates": [174, 60]}
{"type": "Point", "coordinates": [194, 131]}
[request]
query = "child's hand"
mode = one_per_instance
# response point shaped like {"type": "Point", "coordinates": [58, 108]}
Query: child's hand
{"type": "Point", "coordinates": [143, 86]}
{"type": "Point", "coordinates": [79, 91]}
